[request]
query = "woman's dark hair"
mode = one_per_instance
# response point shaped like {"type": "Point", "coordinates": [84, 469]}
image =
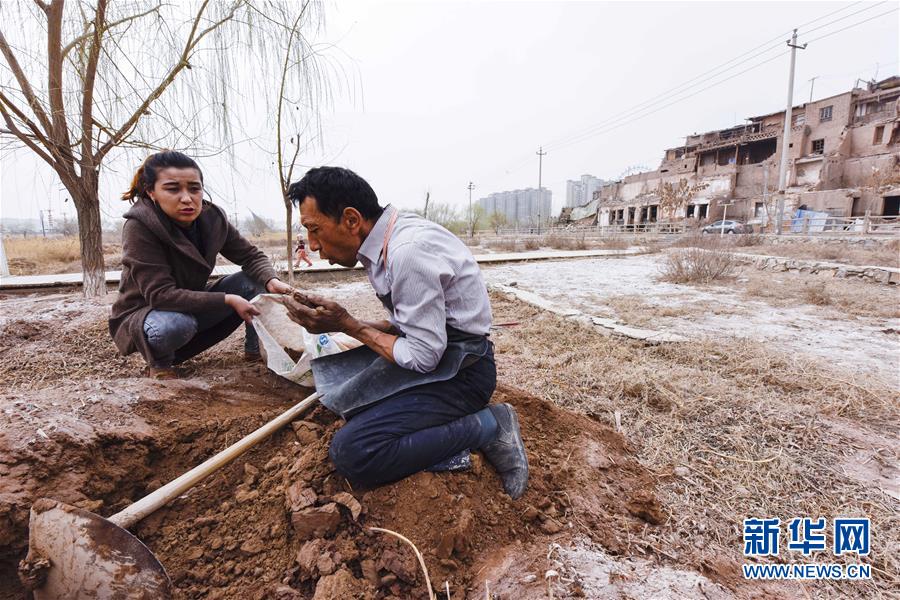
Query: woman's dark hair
{"type": "Point", "coordinates": [335, 189]}
{"type": "Point", "coordinates": [145, 177]}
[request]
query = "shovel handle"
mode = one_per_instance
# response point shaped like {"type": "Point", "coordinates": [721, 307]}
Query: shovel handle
{"type": "Point", "coordinates": [149, 503]}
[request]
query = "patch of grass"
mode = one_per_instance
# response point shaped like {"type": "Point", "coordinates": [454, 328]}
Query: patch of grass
{"type": "Point", "coordinates": [817, 294]}
{"type": "Point", "coordinates": [877, 254]}
{"type": "Point", "coordinates": [28, 256]}
{"type": "Point", "coordinates": [726, 428]}
{"type": "Point", "coordinates": [43, 250]}
{"type": "Point", "coordinates": [853, 298]}
{"type": "Point", "coordinates": [566, 241]}
{"type": "Point", "coordinates": [503, 244]}
{"type": "Point", "coordinates": [612, 243]}
{"type": "Point", "coordinates": [749, 239]}
{"type": "Point", "coordinates": [698, 265]}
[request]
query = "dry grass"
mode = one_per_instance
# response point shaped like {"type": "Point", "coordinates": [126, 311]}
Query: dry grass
{"type": "Point", "coordinates": [62, 249]}
{"type": "Point", "coordinates": [730, 429]}
{"type": "Point", "coordinates": [879, 254]}
{"type": "Point", "coordinates": [632, 309]}
{"type": "Point", "coordinates": [611, 243]}
{"type": "Point", "coordinates": [698, 265]}
{"type": "Point", "coordinates": [41, 255]}
{"type": "Point", "coordinates": [876, 253]}
{"type": "Point", "coordinates": [844, 297]}
{"type": "Point", "coordinates": [503, 244]}
{"type": "Point", "coordinates": [749, 239]}
{"type": "Point", "coordinates": [34, 255]}
{"type": "Point", "coordinates": [532, 243]}
{"type": "Point", "coordinates": [561, 241]}
{"type": "Point", "coordinates": [692, 239]}
{"type": "Point", "coordinates": [816, 294]}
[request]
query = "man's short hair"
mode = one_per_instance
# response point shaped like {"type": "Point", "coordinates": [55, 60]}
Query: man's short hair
{"type": "Point", "coordinates": [335, 189]}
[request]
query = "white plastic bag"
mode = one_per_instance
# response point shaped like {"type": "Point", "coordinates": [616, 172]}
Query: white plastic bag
{"type": "Point", "coordinates": [277, 332]}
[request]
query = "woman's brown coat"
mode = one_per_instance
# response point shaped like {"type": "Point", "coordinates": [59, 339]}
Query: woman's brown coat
{"type": "Point", "coordinates": [163, 270]}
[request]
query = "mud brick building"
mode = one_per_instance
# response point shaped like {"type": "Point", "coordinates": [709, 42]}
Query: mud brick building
{"type": "Point", "coordinates": [843, 159]}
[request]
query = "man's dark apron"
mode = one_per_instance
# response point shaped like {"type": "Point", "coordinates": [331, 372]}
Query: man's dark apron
{"type": "Point", "coordinates": [353, 380]}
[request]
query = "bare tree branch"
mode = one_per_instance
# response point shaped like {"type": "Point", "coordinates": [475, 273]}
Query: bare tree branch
{"type": "Point", "coordinates": [35, 130]}
{"type": "Point", "coordinates": [87, 100]}
{"type": "Point", "coordinates": [284, 72]}
{"type": "Point", "coordinates": [89, 31]}
{"type": "Point", "coordinates": [24, 137]}
{"type": "Point", "coordinates": [60, 131]}
{"type": "Point", "coordinates": [24, 85]}
{"type": "Point", "coordinates": [191, 43]}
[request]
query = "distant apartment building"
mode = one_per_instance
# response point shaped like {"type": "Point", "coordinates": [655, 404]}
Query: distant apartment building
{"type": "Point", "coordinates": [522, 208]}
{"type": "Point", "coordinates": [581, 191]}
{"type": "Point", "coordinates": [843, 159]}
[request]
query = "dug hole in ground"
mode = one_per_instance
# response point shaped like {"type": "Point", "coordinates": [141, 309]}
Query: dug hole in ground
{"type": "Point", "coordinates": [644, 460]}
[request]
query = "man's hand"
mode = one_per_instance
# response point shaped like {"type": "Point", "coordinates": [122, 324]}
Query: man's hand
{"type": "Point", "coordinates": [318, 315]}
{"type": "Point", "coordinates": [277, 286]}
{"type": "Point", "coordinates": [242, 307]}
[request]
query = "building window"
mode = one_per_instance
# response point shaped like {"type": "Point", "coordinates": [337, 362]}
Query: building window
{"type": "Point", "coordinates": [798, 119]}
{"type": "Point", "coordinates": [825, 114]}
{"type": "Point", "coordinates": [758, 209]}
{"type": "Point", "coordinates": [818, 147]}
{"type": "Point", "coordinates": [879, 133]}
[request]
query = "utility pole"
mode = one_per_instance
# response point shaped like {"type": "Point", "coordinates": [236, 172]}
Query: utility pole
{"type": "Point", "coordinates": [812, 85]}
{"type": "Point", "coordinates": [786, 138]}
{"type": "Point", "coordinates": [541, 154]}
{"type": "Point", "coordinates": [471, 187]}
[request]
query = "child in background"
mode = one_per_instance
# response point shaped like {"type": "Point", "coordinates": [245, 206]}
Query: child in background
{"type": "Point", "coordinates": [301, 254]}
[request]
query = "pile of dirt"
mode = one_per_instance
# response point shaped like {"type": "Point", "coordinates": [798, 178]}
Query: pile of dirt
{"type": "Point", "coordinates": [103, 445]}
{"type": "Point", "coordinates": [279, 522]}
{"type": "Point", "coordinates": [282, 523]}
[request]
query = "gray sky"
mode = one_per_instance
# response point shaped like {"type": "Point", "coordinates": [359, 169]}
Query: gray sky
{"type": "Point", "coordinates": [442, 93]}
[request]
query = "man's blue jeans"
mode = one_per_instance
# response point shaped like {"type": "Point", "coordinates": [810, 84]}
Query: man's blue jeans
{"type": "Point", "coordinates": [418, 428]}
{"type": "Point", "coordinates": [175, 337]}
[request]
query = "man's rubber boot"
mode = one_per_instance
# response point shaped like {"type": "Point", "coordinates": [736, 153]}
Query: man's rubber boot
{"type": "Point", "coordinates": [507, 452]}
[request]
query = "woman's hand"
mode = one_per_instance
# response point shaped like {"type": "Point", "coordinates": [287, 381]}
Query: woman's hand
{"type": "Point", "coordinates": [277, 286]}
{"type": "Point", "coordinates": [242, 307]}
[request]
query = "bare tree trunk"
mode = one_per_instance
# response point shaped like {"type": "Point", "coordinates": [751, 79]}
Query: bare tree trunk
{"type": "Point", "coordinates": [90, 236]}
{"type": "Point", "coordinates": [288, 211]}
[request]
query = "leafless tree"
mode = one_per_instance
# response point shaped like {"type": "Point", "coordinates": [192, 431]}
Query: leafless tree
{"type": "Point", "coordinates": [82, 78]}
{"type": "Point", "coordinates": [302, 90]}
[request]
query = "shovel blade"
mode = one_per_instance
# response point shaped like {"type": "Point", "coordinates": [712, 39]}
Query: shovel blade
{"type": "Point", "coordinates": [90, 557]}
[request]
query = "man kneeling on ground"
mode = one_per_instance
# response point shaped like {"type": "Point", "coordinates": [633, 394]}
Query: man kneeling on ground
{"type": "Point", "coordinates": [417, 398]}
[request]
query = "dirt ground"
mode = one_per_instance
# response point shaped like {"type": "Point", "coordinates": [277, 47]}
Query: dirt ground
{"type": "Point", "coordinates": [645, 459]}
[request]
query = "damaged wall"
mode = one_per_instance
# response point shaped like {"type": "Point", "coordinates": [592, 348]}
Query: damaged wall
{"type": "Point", "coordinates": [848, 143]}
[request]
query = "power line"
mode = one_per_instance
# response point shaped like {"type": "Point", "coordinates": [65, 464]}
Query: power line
{"type": "Point", "coordinates": [712, 72]}
{"type": "Point", "coordinates": [636, 116]}
{"type": "Point", "coordinates": [639, 117]}
{"type": "Point", "coordinates": [662, 97]}
{"type": "Point", "coordinates": [831, 33]}
{"type": "Point", "coordinates": [867, 7]}
{"type": "Point", "coordinates": [634, 113]}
